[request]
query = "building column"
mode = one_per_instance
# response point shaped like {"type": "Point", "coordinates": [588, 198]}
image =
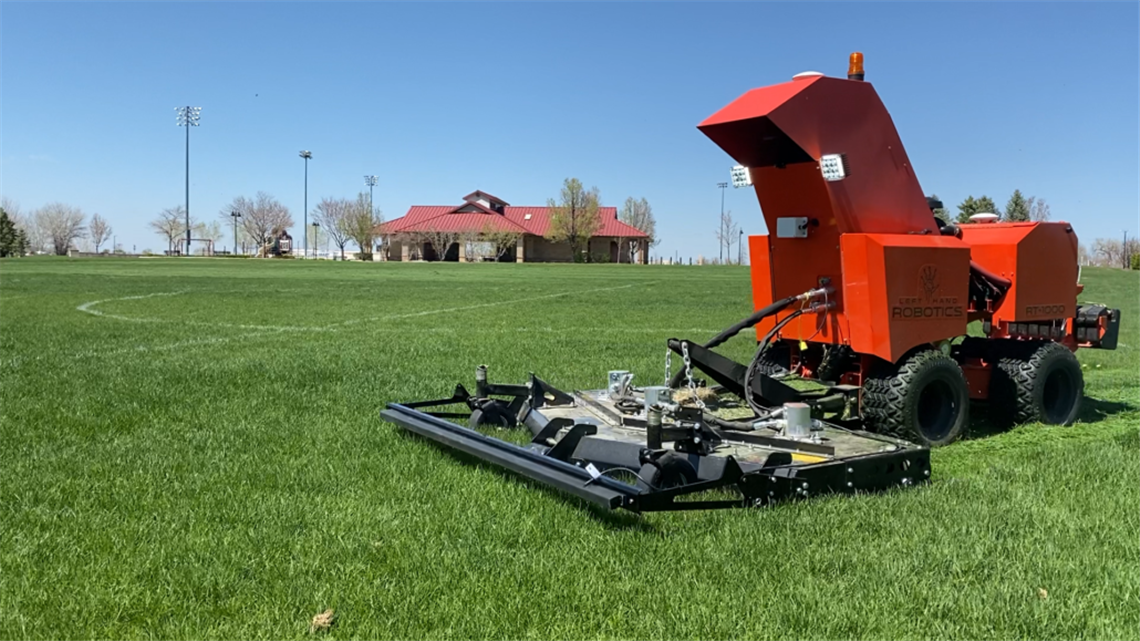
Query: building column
{"type": "Point", "coordinates": [520, 250]}
{"type": "Point", "coordinates": [405, 251]}
{"type": "Point", "coordinates": [462, 252]}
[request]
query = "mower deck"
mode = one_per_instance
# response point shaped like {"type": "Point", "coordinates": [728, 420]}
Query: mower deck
{"type": "Point", "coordinates": [602, 448]}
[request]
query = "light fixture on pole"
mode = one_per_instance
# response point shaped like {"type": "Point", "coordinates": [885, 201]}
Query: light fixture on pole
{"type": "Point", "coordinates": [371, 182]}
{"type": "Point", "coordinates": [235, 215]}
{"type": "Point", "coordinates": [188, 117]}
{"type": "Point", "coordinates": [306, 154]}
{"type": "Point", "coordinates": [720, 235]}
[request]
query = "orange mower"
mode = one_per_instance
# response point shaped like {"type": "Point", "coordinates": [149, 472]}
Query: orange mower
{"type": "Point", "coordinates": [858, 288]}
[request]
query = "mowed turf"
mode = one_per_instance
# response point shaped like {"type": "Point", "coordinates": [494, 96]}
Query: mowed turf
{"type": "Point", "coordinates": [192, 449]}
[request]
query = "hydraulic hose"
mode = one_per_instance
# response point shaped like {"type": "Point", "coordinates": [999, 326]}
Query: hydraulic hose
{"type": "Point", "coordinates": [751, 321]}
{"type": "Point", "coordinates": [739, 327]}
{"type": "Point", "coordinates": [997, 282]}
{"type": "Point", "coordinates": [750, 373]}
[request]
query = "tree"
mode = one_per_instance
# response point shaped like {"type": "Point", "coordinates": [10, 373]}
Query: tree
{"type": "Point", "coordinates": [638, 214]}
{"type": "Point", "coordinates": [440, 239]}
{"type": "Point", "coordinates": [333, 216]}
{"type": "Point", "coordinates": [33, 238]}
{"type": "Point", "coordinates": [100, 231]}
{"type": "Point", "coordinates": [170, 223]}
{"type": "Point", "coordinates": [1130, 248]}
{"type": "Point", "coordinates": [727, 233]}
{"type": "Point", "coordinates": [1038, 209]}
{"type": "Point", "coordinates": [211, 231]}
{"type": "Point", "coordinates": [970, 206]}
{"type": "Point", "coordinates": [574, 218]}
{"type": "Point", "coordinates": [1017, 209]}
{"type": "Point", "coordinates": [940, 213]}
{"type": "Point", "coordinates": [1107, 252]}
{"type": "Point", "coordinates": [22, 244]}
{"type": "Point", "coordinates": [361, 224]}
{"type": "Point", "coordinates": [10, 244]}
{"type": "Point", "coordinates": [262, 217]}
{"type": "Point", "coordinates": [62, 224]}
{"type": "Point", "coordinates": [501, 241]}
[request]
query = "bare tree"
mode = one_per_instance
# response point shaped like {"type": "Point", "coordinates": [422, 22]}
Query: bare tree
{"type": "Point", "coordinates": [1038, 209]}
{"type": "Point", "coordinates": [1083, 255]}
{"type": "Point", "coordinates": [262, 217]}
{"type": "Point", "coordinates": [440, 239]}
{"type": "Point", "coordinates": [1107, 252]}
{"type": "Point", "coordinates": [333, 215]}
{"type": "Point", "coordinates": [26, 223]}
{"type": "Point", "coordinates": [211, 231]}
{"type": "Point", "coordinates": [727, 234]}
{"type": "Point", "coordinates": [62, 225]}
{"type": "Point", "coordinates": [574, 217]}
{"type": "Point", "coordinates": [171, 224]}
{"type": "Point", "coordinates": [361, 224]}
{"type": "Point", "coordinates": [503, 240]}
{"type": "Point", "coordinates": [100, 231]}
{"type": "Point", "coordinates": [638, 214]}
{"type": "Point", "coordinates": [476, 246]}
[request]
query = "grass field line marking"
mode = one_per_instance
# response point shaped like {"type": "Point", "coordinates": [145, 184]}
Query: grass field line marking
{"type": "Point", "coordinates": [89, 308]}
{"type": "Point", "coordinates": [464, 308]}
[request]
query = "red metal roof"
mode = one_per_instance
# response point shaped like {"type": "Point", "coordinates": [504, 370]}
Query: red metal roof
{"type": "Point", "coordinates": [441, 218]}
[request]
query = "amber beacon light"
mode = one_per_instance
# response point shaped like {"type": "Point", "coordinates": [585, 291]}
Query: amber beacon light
{"type": "Point", "coordinates": [855, 66]}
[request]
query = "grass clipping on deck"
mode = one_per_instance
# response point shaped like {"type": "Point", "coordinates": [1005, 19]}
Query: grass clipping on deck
{"type": "Point", "coordinates": [687, 396]}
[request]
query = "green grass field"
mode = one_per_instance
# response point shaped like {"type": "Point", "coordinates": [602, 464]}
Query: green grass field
{"type": "Point", "coordinates": [192, 449]}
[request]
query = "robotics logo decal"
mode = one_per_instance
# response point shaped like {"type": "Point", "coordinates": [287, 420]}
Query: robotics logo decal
{"type": "Point", "coordinates": [926, 304]}
{"type": "Point", "coordinates": [929, 281]}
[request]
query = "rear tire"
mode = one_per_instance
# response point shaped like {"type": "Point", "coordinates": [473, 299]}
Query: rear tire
{"type": "Point", "coordinates": [924, 399]}
{"type": "Point", "coordinates": [776, 360]}
{"type": "Point", "coordinates": [1044, 384]}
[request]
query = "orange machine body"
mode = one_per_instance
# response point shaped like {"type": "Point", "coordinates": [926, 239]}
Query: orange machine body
{"type": "Point", "coordinates": [896, 281]}
{"type": "Point", "coordinates": [1040, 259]}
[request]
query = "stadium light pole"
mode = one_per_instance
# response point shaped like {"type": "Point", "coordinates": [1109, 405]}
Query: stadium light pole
{"type": "Point", "coordinates": [740, 248]}
{"type": "Point", "coordinates": [188, 117]}
{"type": "Point", "coordinates": [371, 182]}
{"type": "Point", "coordinates": [235, 215]}
{"type": "Point", "coordinates": [306, 154]}
{"type": "Point", "coordinates": [720, 225]}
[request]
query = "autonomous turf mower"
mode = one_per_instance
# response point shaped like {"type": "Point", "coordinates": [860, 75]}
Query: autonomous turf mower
{"type": "Point", "coordinates": [859, 290]}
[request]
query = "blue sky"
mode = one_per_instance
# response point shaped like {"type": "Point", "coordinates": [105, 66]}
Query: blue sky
{"type": "Point", "coordinates": [441, 99]}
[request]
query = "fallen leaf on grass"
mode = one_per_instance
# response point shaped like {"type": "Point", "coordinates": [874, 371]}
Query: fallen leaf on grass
{"type": "Point", "coordinates": [1041, 594]}
{"type": "Point", "coordinates": [322, 621]}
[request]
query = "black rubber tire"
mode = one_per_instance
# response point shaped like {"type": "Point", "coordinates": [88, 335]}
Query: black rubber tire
{"type": "Point", "coordinates": [672, 470]}
{"type": "Point", "coordinates": [833, 363]}
{"type": "Point", "coordinates": [924, 400]}
{"type": "Point", "coordinates": [1042, 384]}
{"type": "Point", "coordinates": [775, 361]}
{"type": "Point", "coordinates": [491, 414]}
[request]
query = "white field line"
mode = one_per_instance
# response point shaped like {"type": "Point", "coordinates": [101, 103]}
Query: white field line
{"type": "Point", "coordinates": [89, 308]}
{"type": "Point", "coordinates": [267, 330]}
{"type": "Point", "coordinates": [465, 308]}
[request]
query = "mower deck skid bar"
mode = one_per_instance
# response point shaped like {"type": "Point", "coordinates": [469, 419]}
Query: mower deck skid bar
{"type": "Point", "coordinates": [579, 438]}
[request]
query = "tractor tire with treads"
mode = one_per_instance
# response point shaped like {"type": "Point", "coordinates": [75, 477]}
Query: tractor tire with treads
{"type": "Point", "coordinates": [924, 399]}
{"type": "Point", "coordinates": [1043, 384]}
{"type": "Point", "coordinates": [775, 361]}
